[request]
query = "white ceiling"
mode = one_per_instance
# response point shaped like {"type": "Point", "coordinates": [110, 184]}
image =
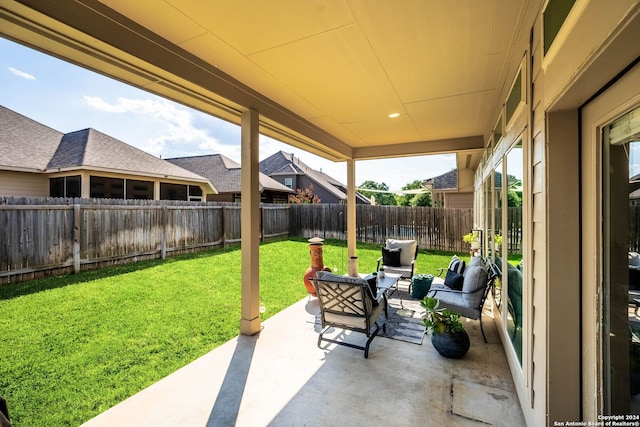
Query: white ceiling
{"type": "Point", "coordinates": [327, 73]}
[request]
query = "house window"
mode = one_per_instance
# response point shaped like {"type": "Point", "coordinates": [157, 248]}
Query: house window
{"type": "Point", "coordinates": [139, 189]}
{"type": "Point", "coordinates": [515, 98]}
{"type": "Point", "coordinates": [288, 182]}
{"type": "Point", "coordinates": [195, 193]}
{"type": "Point", "coordinates": [173, 191]}
{"type": "Point", "coordinates": [65, 186]}
{"type": "Point", "coordinates": [554, 15]}
{"type": "Point", "coordinates": [101, 187]}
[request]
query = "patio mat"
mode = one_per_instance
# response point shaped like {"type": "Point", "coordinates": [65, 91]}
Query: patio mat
{"type": "Point", "coordinates": [403, 324]}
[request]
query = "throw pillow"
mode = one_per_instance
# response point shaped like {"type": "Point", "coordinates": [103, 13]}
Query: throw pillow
{"type": "Point", "coordinates": [454, 280]}
{"type": "Point", "coordinates": [457, 264]}
{"type": "Point", "coordinates": [407, 247]}
{"type": "Point", "coordinates": [391, 257]}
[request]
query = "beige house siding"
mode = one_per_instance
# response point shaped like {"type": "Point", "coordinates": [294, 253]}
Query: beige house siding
{"type": "Point", "coordinates": [458, 200]}
{"type": "Point", "coordinates": [535, 320]}
{"type": "Point", "coordinates": [23, 184]}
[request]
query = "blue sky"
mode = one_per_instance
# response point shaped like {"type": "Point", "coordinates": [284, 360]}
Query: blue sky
{"type": "Point", "coordinates": [68, 98]}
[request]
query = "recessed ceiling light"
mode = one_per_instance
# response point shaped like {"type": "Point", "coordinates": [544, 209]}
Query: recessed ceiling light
{"type": "Point", "coordinates": [394, 115]}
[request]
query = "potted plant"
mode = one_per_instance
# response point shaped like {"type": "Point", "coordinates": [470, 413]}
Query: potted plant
{"type": "Point", "coordinates": [473, 239]}
{"type": "Point", "coordinates": [447, 333]}
{"type": "Point", "coordinates": [497, 239]}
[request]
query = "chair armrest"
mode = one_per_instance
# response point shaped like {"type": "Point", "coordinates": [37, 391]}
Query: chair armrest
{"type": "Point", "coordinates": [441, 270]}
{"type": "Point", "coordinates": [378, 266]}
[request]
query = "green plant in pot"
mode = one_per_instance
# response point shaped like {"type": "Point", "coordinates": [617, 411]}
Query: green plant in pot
{"type": "Point", "coordinates": [473, 239]}
{"type": "Point", "coordinates": [447, 333]}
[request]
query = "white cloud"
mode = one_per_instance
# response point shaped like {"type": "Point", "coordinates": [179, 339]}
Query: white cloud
{"type": "Point", "coordinates": [21, 74]}
{"type": "Point", "coordinates": [175, 125]}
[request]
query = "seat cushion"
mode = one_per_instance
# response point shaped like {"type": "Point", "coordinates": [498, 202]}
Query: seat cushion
{"type": "Point", "coordinates": [408, 249]}
{"type": "Point", "coordinates": [391, 256]}
{"type": "Point", "coordinates": [453, 300]}
{"type": "Point", "coordinates": [331, 277]}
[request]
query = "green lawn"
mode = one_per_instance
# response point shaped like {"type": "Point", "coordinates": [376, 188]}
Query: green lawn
{"type": "Point", "coordinates": [73, 346]}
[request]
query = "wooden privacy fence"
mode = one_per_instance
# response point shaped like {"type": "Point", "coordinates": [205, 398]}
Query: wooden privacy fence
{"type": "Point", "coordinates": [51, 236]}
{"type": "Point", "coordinates": [433, 228]}
{"type": "Point", "coordinates": [45, 236]}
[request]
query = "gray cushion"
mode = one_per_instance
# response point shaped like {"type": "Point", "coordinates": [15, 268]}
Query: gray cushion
{"type": "Point", "coordinates": [331, 277]}
{"type": "Point", "coordinates": [453, 300]}
{"type": "Point", "coordinates": [475, 282]}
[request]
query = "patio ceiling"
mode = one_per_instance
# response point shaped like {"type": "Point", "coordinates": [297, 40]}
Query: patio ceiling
{"type": "Point", "coordinates": [324, 75]}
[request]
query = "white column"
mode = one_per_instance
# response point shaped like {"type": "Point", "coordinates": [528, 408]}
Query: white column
{"type": "Point", "coordinates": [351, 207]}
{"type": "Point", "coordinates": [250, 224]}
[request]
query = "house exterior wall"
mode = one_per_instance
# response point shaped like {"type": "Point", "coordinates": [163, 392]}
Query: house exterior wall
{"type": "Point", "coordinates": [23, 184]}
{"type": "Point", "coordinates": [303, 182]}
{"type": "Point", "coordinates": [560, 378]}
{"type": "Point", "coordinates": [458, 200]}
{"type": "Point", "coordinates": [221, 197]}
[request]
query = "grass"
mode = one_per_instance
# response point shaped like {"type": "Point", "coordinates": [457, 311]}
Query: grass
{"type": "Point", "coordinates": [73, 346]}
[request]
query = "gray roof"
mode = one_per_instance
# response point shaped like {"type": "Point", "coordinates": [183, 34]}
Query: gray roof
{"type": "Point", "coordinates": [282, 163]}
{"type": "Point", "coordinates": [446, 181]}
{"type": "Point", "coordinates": [31, 146]}
{"type": "Point", "coordinates": [224, 173]}
{"type": "Point", "coordinates": [92, 149]}
{"type": "Point", "coordinates": [25, 144]}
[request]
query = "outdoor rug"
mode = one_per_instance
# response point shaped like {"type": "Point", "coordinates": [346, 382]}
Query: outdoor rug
{"type": "Point", "coordinates": [403, 324]}
{"type": "Point", "coordinates": [405, 320]}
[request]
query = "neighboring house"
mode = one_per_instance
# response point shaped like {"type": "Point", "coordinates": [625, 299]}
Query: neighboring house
{"type": "Point", "coordinates": [446, 192]}
{"type": "Point", "coordinates": [37, 161]}
{"type": "Point", "coordinates": [294, 174]}
{"type": "Point", "coordinates": [224, 173]}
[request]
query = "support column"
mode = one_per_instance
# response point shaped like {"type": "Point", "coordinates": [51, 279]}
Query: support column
{"type": "Point", "coordinates": [351, 207]}
{"type": "Point", "coordinates": [250, 224]}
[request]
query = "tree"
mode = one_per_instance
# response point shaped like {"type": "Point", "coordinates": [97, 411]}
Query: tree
{"type": "Point", "coordinates": [381, 198]}
{"type": "Point", "coordinates": [424, 199]}
{"type": "Point", "coordinates": [514, 191]}
{"type": "Point", "coordinates": [304, 196]}
{"type": "Point", "coordinates": [514, 198]}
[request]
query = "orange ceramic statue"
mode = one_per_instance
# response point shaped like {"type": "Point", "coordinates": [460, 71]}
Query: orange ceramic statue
{"type": "Point", "coordinates": [317, 264]}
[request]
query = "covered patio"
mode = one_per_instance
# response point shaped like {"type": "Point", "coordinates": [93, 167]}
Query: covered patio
{"type": "Point", "coordinates": [280, 377]}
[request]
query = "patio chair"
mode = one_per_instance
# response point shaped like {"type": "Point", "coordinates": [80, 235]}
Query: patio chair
{"type": "Point", "coordinates": [399, 257]}
{"type": "Point", "coordinates": [468, 301]}
{"type": "Point", "coordinates": [348, 303]}
{"type": "Point", "coordinates": [514, 305]}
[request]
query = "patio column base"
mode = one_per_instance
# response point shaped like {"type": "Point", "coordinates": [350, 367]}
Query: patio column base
{"type": "Point", "coordinates": [250, 326]}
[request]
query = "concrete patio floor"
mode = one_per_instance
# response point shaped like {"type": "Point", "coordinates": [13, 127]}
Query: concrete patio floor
{"type": "Point", "coordinates": [281, 378]}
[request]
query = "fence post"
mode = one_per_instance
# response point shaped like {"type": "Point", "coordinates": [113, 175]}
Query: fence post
{"type": "Point", "coordinates": [261, 223]}
{"type": "Point", "coordinates": [163, 225]}
{"type": "Point", "coordinates": [223, 224]}
{"type": "Point", "coordinates": [77, 218]}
